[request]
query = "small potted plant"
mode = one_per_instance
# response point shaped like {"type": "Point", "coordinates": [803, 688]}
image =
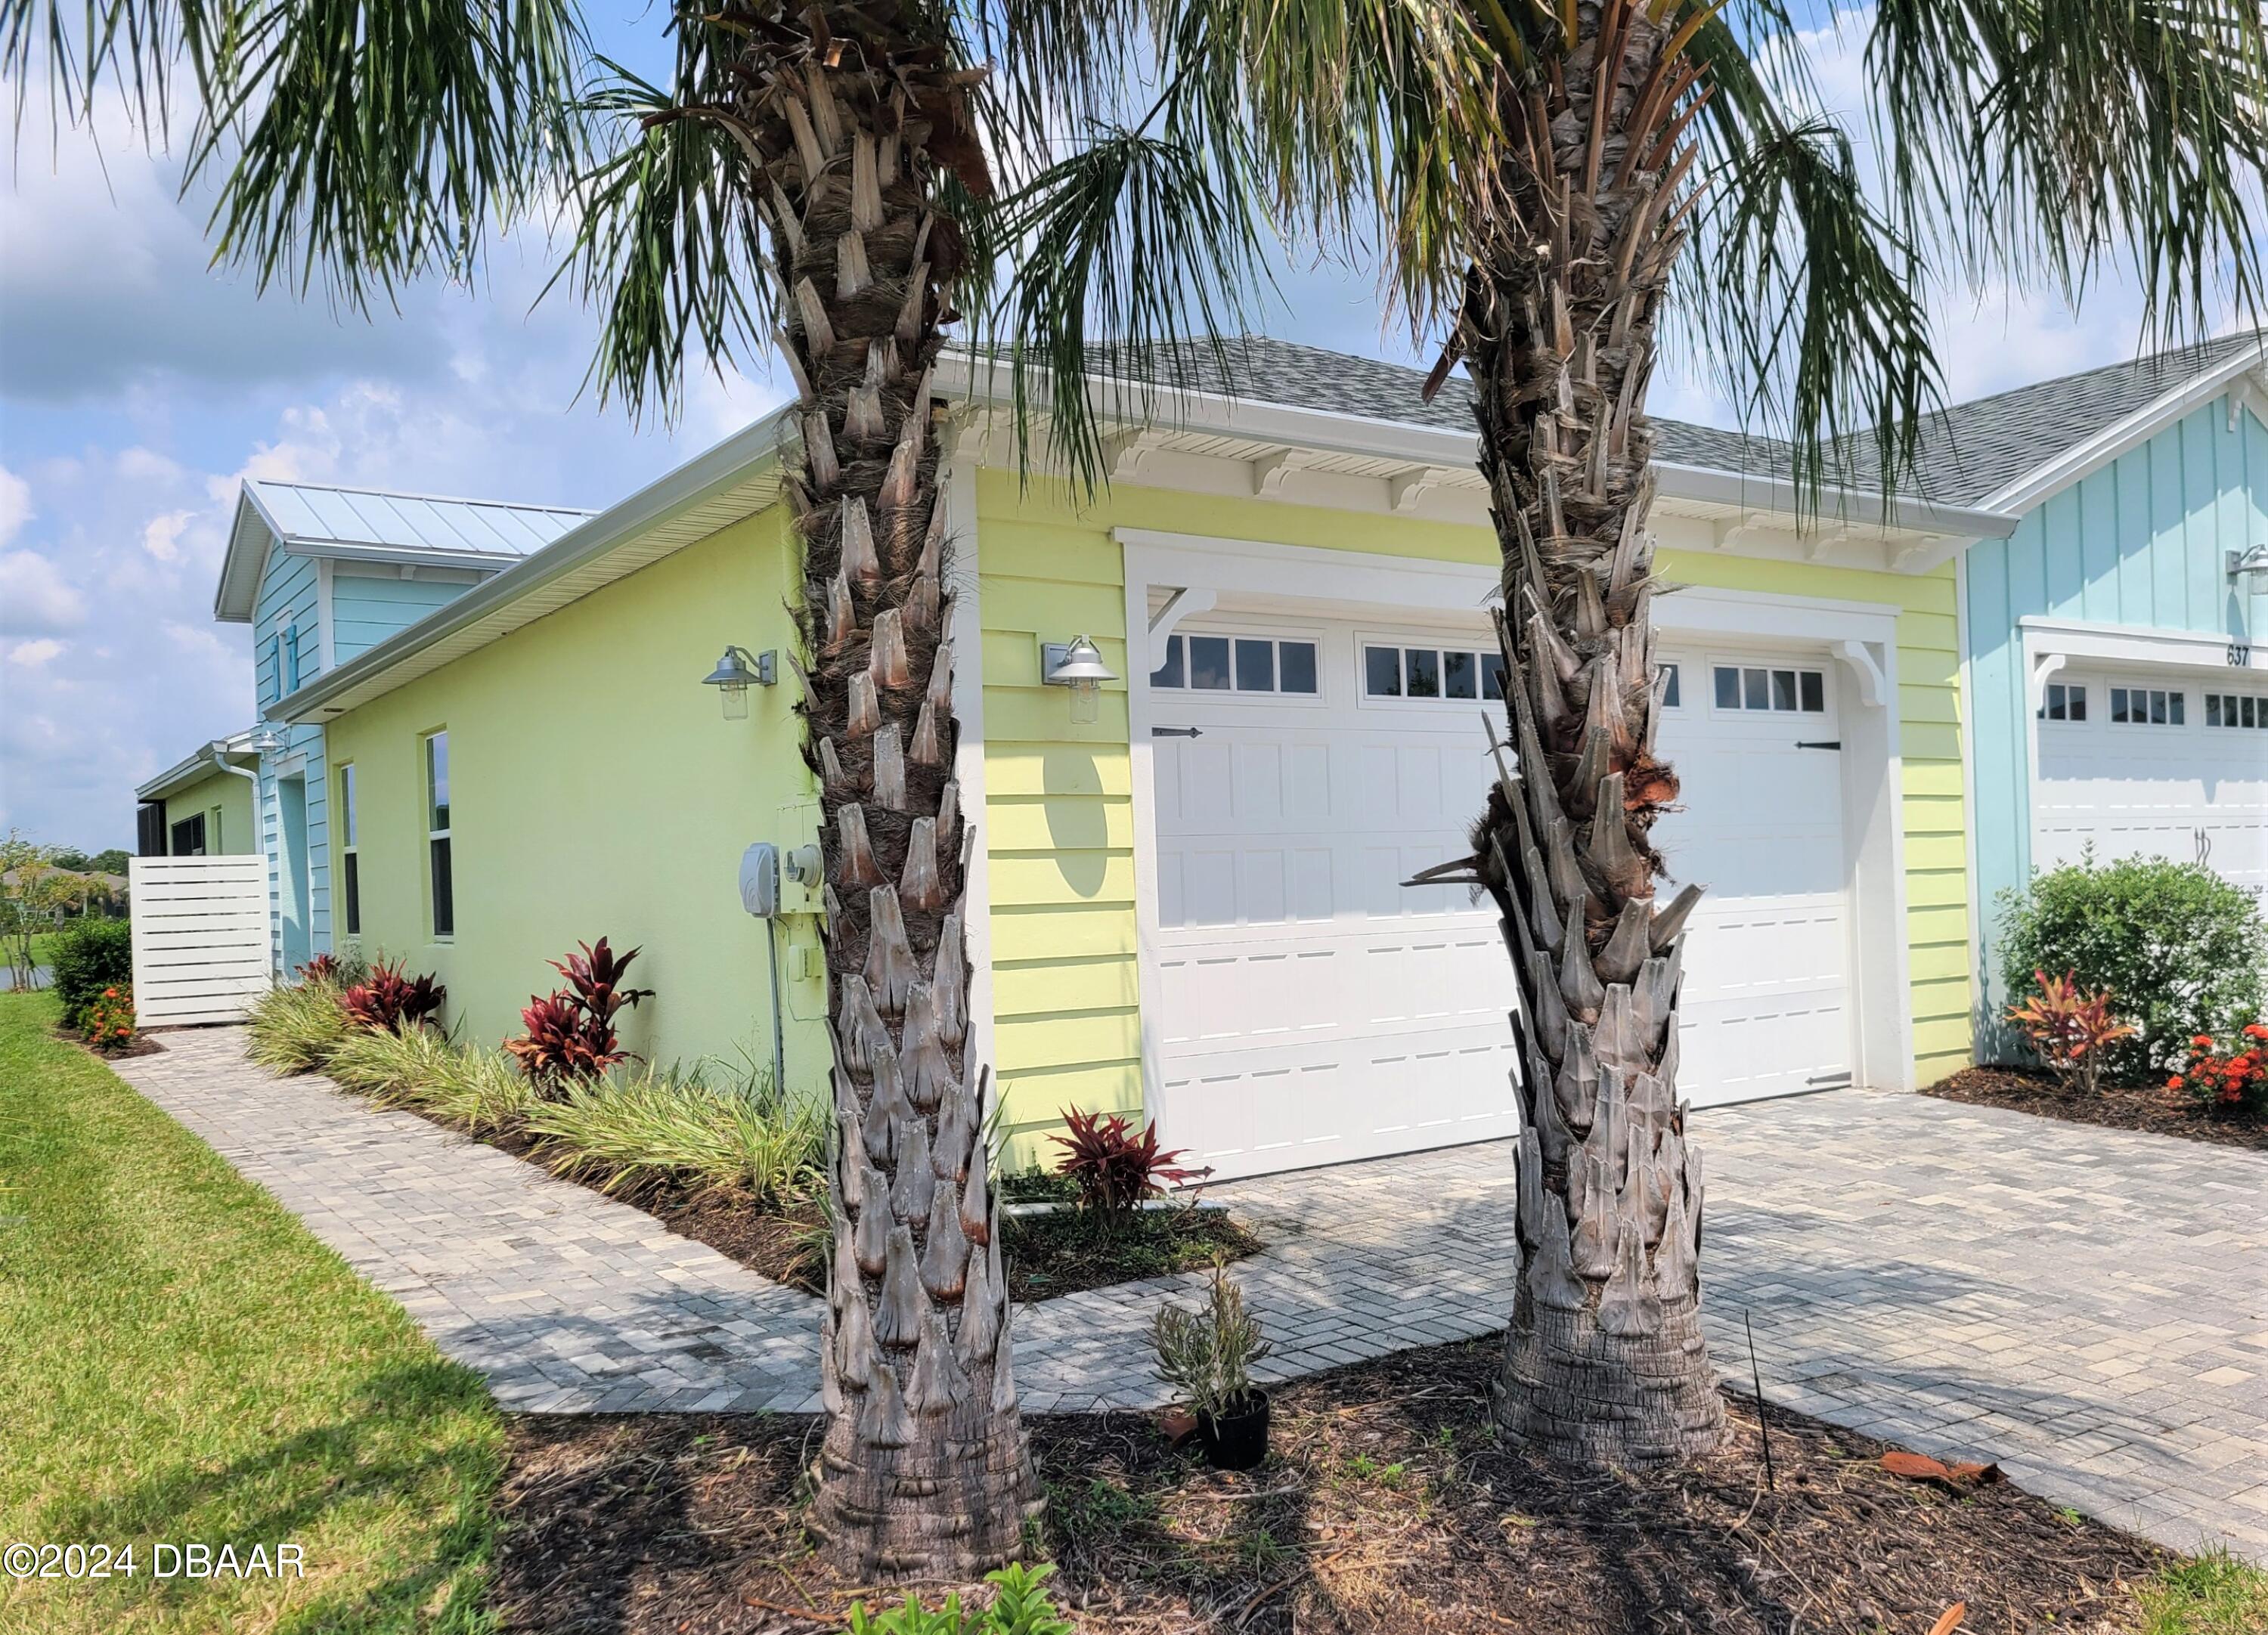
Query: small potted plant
{"type": "Point", "coordinates": [1208, 1356]}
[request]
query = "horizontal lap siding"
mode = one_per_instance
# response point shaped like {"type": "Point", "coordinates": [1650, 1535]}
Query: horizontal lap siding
{"type": "Point", "coordinates": [2140, 543]}
{"type": "Point", "coordinates": [366, 608]}
{"type": "Point", "coordinates": [1059, 832]}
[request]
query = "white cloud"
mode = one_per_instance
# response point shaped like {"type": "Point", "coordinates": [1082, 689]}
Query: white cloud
{"type": "Point", "coordinates": [162, 535]}
{"type": "Point", "coordinates": [15, 504]}
{"type": "Point", "coordinates": [35, 654]}
{"type": "Point", "coordinates": [34, 598]}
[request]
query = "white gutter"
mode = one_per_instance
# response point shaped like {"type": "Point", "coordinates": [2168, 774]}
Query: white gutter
{"type": "Point", "coordinates": [722, 466]}
{"type": "Point", "coordinates": [193, 767]}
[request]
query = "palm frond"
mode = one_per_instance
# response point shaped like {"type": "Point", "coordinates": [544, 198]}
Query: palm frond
{"type": "Point", "coordinates": [667, 243]}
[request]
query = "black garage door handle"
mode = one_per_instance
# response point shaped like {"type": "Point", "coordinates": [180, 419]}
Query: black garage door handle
{"type": "Point", "coordinates": [1825, 743]}
{"type": "Point", "coordinates": [1176, 731]}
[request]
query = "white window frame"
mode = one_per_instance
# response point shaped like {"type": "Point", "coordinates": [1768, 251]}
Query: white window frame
{"type": "Point", "coordinates": [2098, 703]}
{"type": "Point", "coordinates": [443, 835]}
{"type": "Point", "coordinates": [2173, 689]}
{"type": "Point", "coordinates": [1233, 632]}
{"type": "Point", "coordinates": [1744, 662]}
{"type": "Point", "coordinates": [349, 827]}
{"type": "Point", "coordinates": [2259, 701]}
{"type": "Point", "coordinates": [1366, 639]}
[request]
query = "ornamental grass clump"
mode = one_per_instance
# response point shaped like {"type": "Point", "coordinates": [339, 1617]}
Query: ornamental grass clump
{"type": "Point", "coordinates": [475, 1089]}
{"type": "Point", "coordinates": [295, 1029]}
{"type": "Point", "coordinates": [631, 1135]}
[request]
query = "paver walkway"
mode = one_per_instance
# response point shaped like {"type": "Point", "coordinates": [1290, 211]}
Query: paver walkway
{"type": "Point", "coordinates": [2089, 1306]}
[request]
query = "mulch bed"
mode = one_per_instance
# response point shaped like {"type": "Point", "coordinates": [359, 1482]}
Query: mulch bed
{"type": "Point", "coordinates": [2152, 1109]}
{"type": "Point", "coordinates": [1069, 1249]}
{"type": "Point", "coordinates": [1385, 1506]}
{"type": "Point", "coordinates": [142, 1044]}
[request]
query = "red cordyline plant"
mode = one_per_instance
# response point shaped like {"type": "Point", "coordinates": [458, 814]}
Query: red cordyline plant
{"type": "Point", "coordinates": [390, 1001]}
{"type": "Point", "coordinates": [570, 1030]}
{"type": "Point", "coordinates": [323, 967]}
{"type": "Point", "coordinates": [2069, 1028]}
{"type": "Point", "coordinates": [1114, 1168]}
{"type": "Point", "coordinates": [2233, 1083]}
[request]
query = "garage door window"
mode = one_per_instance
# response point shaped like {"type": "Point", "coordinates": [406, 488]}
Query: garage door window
{"type": "Point", "coordinates": [2148, 706]}
{"type": "Point", "coordinates": [1450, 673]}
{"type": "Point", "coordinates": [1243, 664]}
{"type": "Point", "coordinates": [2065, 702]}
{"type": "Point", "coordinates": [1792, 692]}
{"type": "Point", "coordinates": [2237, 709]}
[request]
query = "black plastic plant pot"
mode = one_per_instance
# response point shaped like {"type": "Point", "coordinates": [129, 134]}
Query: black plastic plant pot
{"type": "Point", "coordinates": [1238, 1440]}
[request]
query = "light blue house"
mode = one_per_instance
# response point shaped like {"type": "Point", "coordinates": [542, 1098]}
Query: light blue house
{"type": "Point", "coordinates": [320, 574]}
{"type": "Point", "coordinates": [2115, 644]}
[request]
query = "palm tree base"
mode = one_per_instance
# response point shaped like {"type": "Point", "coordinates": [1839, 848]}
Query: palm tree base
{"type": "Point", "coordinates": [1579, 1395]}
{"type": "Point", "coordinates": [951, 1505]}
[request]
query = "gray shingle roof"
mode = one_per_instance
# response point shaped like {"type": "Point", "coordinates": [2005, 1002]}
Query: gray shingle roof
{"type": "Point", "coordinates": [1972, 449]}
{"type": "Point", "coordinates": [1967, 450]}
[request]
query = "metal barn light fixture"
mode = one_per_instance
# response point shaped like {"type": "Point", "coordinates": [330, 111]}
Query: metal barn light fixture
{"type": "Point", "coordinates": [267, 741]}
{"type": "Point", "coordinates": [1077, 664]}
{"type": "Point", "coordinates": [2253, 562]}
{"type": "Point", "coordinates": [737, 671]}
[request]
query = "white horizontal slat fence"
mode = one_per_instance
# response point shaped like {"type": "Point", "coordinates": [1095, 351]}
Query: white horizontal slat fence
{"type": "Point", "coordinates": [200, 938]}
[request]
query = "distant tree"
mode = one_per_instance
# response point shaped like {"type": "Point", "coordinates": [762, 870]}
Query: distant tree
{"type": "Point", "coordinates": [110, 862]}
{"type": "Point", "coordinates": [76, 862]}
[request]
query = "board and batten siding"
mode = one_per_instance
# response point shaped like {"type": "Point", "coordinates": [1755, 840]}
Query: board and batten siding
{"type": "Point", "coordinates": [2139, 543]}
{"type": "Point", "coordinates": [1059, 814]}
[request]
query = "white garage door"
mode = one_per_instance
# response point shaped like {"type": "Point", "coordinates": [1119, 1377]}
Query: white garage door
{"type": "Point", "coordinates": [1312, 1011]}
{"type": "Point", "coordinates": [2151, 766]}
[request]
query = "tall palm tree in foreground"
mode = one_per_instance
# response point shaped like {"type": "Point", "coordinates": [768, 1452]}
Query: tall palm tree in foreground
{"type": "Point", "coordinates": [820, 179]}
{"type": "Point", "coordinates": [833, 180]}
{"type": "Point", "coordinates": [1556, 177]}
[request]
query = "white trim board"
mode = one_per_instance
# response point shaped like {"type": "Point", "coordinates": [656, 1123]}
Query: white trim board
{"type": "Point", "coordinates": [2048, 644]}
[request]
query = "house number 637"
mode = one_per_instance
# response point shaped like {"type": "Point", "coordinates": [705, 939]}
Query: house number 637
{"type": "Point", "coordinates": [2240, 655]}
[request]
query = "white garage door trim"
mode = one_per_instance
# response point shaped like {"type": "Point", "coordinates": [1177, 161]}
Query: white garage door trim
{"type": "Point", "coordinates": [1299, 580]}
{"type": "Point", "coordinates": [2101, 656]}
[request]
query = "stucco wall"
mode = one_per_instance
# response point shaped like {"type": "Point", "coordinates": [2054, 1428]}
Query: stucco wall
{"type": "Point", "coordinates": [226, 794]}
{"type": "Point", "coordinates": [2139, 543]}
{"type": "Point", "coordinates": [596, 788]}
{"type": "Point", "coordinates": [1059, 834]}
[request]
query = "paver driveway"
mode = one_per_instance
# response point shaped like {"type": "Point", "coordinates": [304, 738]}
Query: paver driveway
{"type": "Point", "coordinates": [2088, 1306]}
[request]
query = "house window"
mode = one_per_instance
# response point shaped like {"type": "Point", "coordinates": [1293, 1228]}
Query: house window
{"type": "Point", "coordinates": [216, 841]}
{"type": "Point", "coordinates": [1243, 664]}
{"type": "Point", "coordinates": [1670, 699]}
{"type": "Point", "coordinates": [2236, 710]}
{"type": "Point", "coordinates": [2147, 706]}
{"type": "Point", "coordinates": [2067, 702]}
{"type": "Point", "coordinates": [1797, 692]}
{"type": "Point", "coordinates": [189, 836]}
{"type": "Point", "coordinates": [437, 834]}
{"type": "Point", "coordinates": [349, 854]}
{"type": "Point", "coordinates": [291, 657]}
{"type": "Point", "coordinates": [1452, 674]}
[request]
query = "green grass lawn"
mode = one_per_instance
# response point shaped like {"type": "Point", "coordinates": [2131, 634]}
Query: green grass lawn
{"type": "Point", "coordinates": [184, 1362]}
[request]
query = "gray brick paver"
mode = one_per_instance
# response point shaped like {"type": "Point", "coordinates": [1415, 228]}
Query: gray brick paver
{"type": "Point", "coordinates": [1968, 1281]}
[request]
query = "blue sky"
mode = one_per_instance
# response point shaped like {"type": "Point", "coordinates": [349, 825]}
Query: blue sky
{"type": "Point", "coordinates": [137, 388]}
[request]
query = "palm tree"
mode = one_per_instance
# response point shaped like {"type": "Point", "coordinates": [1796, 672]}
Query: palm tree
{"type": "Point", "coordinates": [1555, 177]}
{"type": "Point", "coordinates": [816, 179]}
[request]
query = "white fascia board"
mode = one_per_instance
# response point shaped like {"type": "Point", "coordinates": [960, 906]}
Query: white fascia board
{"type": "Point", "coordinates": [402, 556]}
{"type": "Point", "coordinates": [251, 536]}
{"type": "Point", "coordinates": [2136, 645]}
{"type": "Point", "coordinates": [198, 765]}
{"type": "Point", "coordinates": [2027, 491]}
{"type": "Point", "coordinates": [720, 468]}
{"type": "Point", "coordinates": [1333, 432]}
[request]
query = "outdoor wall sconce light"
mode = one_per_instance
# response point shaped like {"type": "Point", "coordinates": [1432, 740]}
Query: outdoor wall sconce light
{"type": "Point", "coordinates": [736, 672]}
{"type": "Point", "coordinates": [2253, 562]}
{"type": "Point", "coordinates": [267, 741]}
{"type": "Point", "coordinates": [1076, 664]}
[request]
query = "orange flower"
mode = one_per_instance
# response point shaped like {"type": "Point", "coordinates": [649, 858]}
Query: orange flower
{"type": "Point", "coordinates": [2203, 1041]}
{"type": "Point", "coordinates": [110, 993]}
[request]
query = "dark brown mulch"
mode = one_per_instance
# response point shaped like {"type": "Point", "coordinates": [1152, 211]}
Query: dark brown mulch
{"type": "Point", "coordinates": [1069, 1249]}
{"type": "Point", "coordinates": [142, 1044]}
{"type": "Point", "coordinates": [2153, 1108]}
{"type": "Point", "coordinates": [1385, 1506]}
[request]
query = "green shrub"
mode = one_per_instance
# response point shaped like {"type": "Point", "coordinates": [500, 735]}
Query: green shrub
{"type": "Point", "coordinates": [295, 1029]}
{"type": "Point", "coordinates": [631, 1134]}
{"type": "Point", "coordinates": [1021, 1608]}
{"type": "Point", "coordinates": [2183, 951]}
{"type": "Point", "coordinates": [88, 956]}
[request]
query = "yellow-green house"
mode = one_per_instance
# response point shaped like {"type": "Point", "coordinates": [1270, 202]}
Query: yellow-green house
{"type": "Point", "coordinates": [201, 805]}
{"type": "Point", "coordinates": [1191, 890]}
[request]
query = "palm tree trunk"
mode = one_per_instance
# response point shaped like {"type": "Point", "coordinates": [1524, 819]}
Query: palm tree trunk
{"type": "Point", "coordinates": [924, 1471]}
{"type": "Point", "coordinates": [1605, 1361]}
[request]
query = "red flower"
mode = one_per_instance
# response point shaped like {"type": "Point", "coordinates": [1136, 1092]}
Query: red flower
{"type": "Point", "coordinates": [2203, 1041]}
